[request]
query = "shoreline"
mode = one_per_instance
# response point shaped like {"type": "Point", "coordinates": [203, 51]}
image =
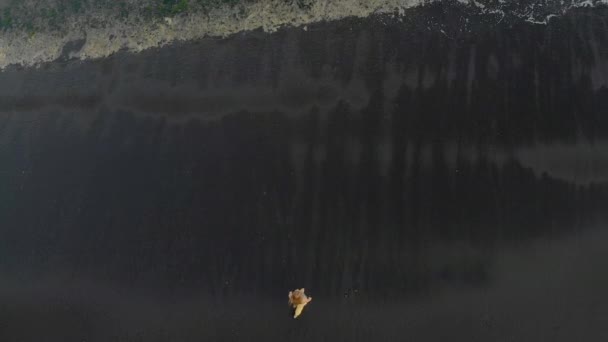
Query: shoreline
{"type": "Point", "coordinates": [99, 33]}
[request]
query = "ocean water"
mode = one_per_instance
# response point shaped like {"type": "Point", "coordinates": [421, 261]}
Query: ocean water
{"type": "Point", "coordinates": [436, 173]}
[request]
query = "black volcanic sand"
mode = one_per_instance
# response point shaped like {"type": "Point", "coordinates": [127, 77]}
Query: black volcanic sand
{"type": "Point", "coordinates": [440, 178]}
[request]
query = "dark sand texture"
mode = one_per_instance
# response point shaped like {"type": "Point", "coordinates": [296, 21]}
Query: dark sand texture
{"type": "Point", "coordinates": [423, 182]}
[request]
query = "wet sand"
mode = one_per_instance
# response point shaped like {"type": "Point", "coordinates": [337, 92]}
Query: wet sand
{"type": "Point", "coordinates": [420, 180]}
